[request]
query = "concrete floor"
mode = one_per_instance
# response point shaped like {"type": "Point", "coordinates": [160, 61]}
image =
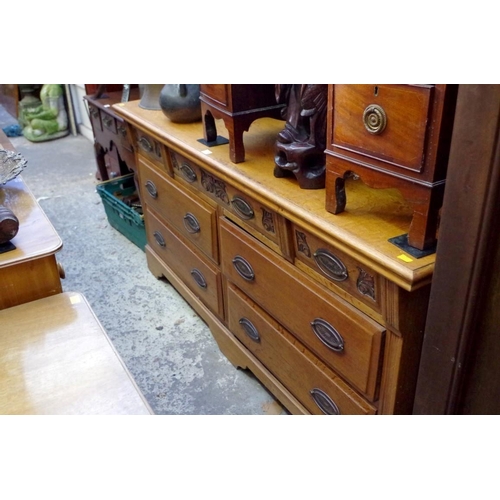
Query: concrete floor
{"type": "Point", "coordinates": [166, 346]}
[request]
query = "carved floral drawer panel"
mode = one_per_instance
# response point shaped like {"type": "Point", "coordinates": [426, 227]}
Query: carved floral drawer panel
{"type": "Point", "coordinates": [337, 270]}
{"type": "Point", "coordinates": [341, 336]}
{"type": "Point", "coordinates": [312, 383]}
{"type": "Point", "coordinates": [151, 149]}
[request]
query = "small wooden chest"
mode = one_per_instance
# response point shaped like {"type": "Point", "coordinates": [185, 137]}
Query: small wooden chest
{"type": "Point", "coordinates": [392, 136]}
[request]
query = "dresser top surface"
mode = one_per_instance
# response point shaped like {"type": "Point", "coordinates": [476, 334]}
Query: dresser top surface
{"type": "Point", "coordinates": [372, 216]}
{"type": "Point", "coordinates": [106, 101]}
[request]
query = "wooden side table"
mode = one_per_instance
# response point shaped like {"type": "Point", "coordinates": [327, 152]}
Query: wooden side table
{"type": "Point", "coordinates": [56, 359]}
{"type": "Point", "coordinates": [30, 271]}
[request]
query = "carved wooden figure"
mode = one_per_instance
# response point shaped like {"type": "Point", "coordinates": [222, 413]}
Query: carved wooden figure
{"type": "Point", "coordinates": [300, 146]}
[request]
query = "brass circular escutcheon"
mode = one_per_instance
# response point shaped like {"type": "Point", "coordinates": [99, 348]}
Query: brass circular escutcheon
{"type": "Point", "coordinates": [374, 119]}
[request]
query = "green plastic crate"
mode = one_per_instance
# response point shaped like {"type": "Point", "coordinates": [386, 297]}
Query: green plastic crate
{"type": "Point", "coordinates": [122, 217]}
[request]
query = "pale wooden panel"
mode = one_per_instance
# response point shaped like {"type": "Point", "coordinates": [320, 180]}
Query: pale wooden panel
{"type": "Point", "coordinates": [55, 359]}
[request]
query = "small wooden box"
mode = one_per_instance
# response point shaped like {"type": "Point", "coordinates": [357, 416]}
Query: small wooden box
{"type": "Point", "coordinates": [238, 105]}
{"type": "Point", "coordinates": [392, 136]}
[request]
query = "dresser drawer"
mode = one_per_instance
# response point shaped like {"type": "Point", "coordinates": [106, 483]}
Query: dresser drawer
{"type": "Point", "coordinates": [95, 118]}
{"type": "Point", "coordinates": [386, 122]}
{"type": "Point", "coordinates": [108, 122]}
{"type": "Point", "coordinates": [335, 269]}
{"type": "Point", "coordinates": [265, 224]}
{"type": "Point", "coordinates": [185, 170]}
{"type": "Point", "coordinates": [311, 382]}
{"type": "Point", "coordinates": [341, 336]}
{"type": "Point", "coordinates": [152, 150]}
{"type": "Point", "coordinates": [192, 217]}
{"type": "Point", "coordinates": [201, 276]}
{"type": "Point", "coordinates": [123, 134]}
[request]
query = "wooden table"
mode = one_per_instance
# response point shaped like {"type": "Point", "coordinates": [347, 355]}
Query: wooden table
{"type": "Point", "coordinates": [56, 359]}
{"type": "Point", "coordinates": [30, 271]}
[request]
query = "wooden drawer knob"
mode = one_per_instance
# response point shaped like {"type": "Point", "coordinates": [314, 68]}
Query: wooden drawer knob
{"type": "Point", "coordinates": [61, 271]}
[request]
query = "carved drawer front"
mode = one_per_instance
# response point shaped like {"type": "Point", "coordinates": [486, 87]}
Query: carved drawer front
{"type": "Point", "coordinates": [335, 269]}
{"type": "Point", "coordinates": [152, 150]}
{"type": "Point", "coordinates": [123, 135]}
{"type": "Point", "coordinates": [95, 118]}
{"type": "Point", "coordinates": [345, 339]}
{"type": "Point", "coordinates": [199, 274]}
{"type": "Point", "coordinates": [309, 380]}
{"type": "Point", "coordinates": [386, 122]}
{"type": "Point", "coordinates": [256, 218]}
{"type": "Point", "coordinates": [195, 219]}
{"type": "Point", "coordinates": [185, 170]}
{"type": "Point", "coordinates": [108, 122]}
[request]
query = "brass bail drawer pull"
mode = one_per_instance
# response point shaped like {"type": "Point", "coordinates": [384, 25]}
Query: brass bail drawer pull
{"type": "Point", "coordinates": [330, 265]}
{"type": "Point", "coordinates": [374, 119]}
{"type": "Point", "coordinates": [159, 239]}
{"type": "Point", "coordinates": [243, 208]}
{"type": "Point", "coordinates": [250, 329]}
{"type": "Point", "coordinates": [191, 223]}
{"type": "Point", "coordinates": [151, 189]}
{"type": "Point", "coordinates": [243, 268]}
{"type": "Point", "coordinates": [199, 278]}
{"type": "Point", "coordinates": [188, 173]}
{"type": "Point", "coordinates": [327, 334]}
{"type": "Point", "coordinates": [145, 145]}
{"type": "Point", "coordinates": [324, 402]}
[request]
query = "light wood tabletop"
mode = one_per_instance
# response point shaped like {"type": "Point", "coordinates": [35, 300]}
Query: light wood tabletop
{"type": "Point", "coordinates": [56, 359]}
